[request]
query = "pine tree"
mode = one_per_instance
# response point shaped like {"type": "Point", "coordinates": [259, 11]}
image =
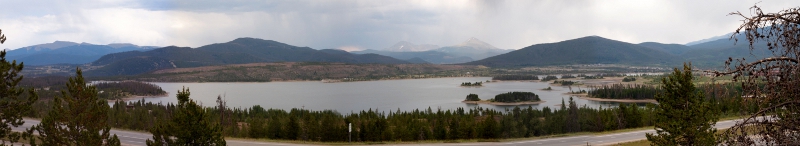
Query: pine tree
{"type": "Point", "coordinates": [292, 128]}
{"type": "Point", "coordinates": [257, 128]}
{"type": "Point", "coordinates": [189, 125]}
{"type": "Point", "coordinates": [274, 128]}
{"type": "Point", "coordinates": [77, 117]}
{"type": "Point", "coordinates": [12, 105]}
{"type": "Point", "coordinates": [572, 117]}
{"type": "Point", "coordinates": [683, 116]}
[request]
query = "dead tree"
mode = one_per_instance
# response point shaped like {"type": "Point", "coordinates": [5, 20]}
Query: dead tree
{"type": "Point", "coordinates": [772, 83]}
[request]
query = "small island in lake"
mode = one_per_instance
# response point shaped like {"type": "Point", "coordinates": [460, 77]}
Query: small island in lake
{"type": "Point", "coordinates": [469, 84]}
{"type": "Point", "coordinates": [623, 93]}
{"type": "Point", "coordinates": [510, 98]}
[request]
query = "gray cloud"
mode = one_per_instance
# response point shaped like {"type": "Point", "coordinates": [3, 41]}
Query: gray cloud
{"type": "Point", "coordinates": [368, 24]}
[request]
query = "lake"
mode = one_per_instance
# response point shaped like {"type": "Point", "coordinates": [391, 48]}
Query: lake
{"type": "Point", "coordinates": [406, 95]}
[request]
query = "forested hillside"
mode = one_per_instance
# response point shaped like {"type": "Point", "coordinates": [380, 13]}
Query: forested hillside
{"type": "Point", "coordinates": [674, 49]}
{"type": "Point", "coordinates": [585, 50]}
{"type": "Point", "coordinates": [293, 71]}
{"type": "Point", "coordinates": [239, 51]}
{"type": "Point", "coordinates": [715, 53]}
{"type": "Point", "coordinates": [61, 52]}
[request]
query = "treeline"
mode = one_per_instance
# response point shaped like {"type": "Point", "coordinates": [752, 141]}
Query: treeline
{"type": "Point", "coordinates": [515, 77]}
{"type": "Point", "coordinates": [371, 125]}
{"type": "Point", "coordinates": [629, 91]}
{"type": "Point", "coordinates": [472, 97]}
{"type": "Point", "coordinates": [374, 126]}
{"type": "Point", "coordinates": [112, 90]}
{"type": "Point", "coordinates": [416, 125]}
{"type": "Point", "coordinates": [611, 75]}
{"type": "Point", "coordinates": [49, 82]}
{"type": "Point", "coordinates": [472, 84]}
{"type": "Point", "coordinates": [567, 76]}
{"type": "Point", "coordinates": [516, 97]}
{"type": "Point", "coordinates": [48, 87]}
{"type": "Point", "coordinates": [637, 91]}
{"type": "Point", "coordinates": [629, 79]}
{"type": "Point", "coordinates": [549, 78]}
{"type": "Point", "coordinates": [593, 77]}
{"type": "Point", "coordinates": [564, 82]}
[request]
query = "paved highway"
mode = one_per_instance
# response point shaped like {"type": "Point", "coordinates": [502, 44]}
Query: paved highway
{"type": "Point", "coordinates": [138, 138]}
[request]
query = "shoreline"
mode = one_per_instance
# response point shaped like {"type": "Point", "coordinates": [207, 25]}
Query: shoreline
{"type": "Point", "coordinates": [503, 103]}
{"type": "Point", "coordinates": [136, 97]}
{"type": "Point", "coordinates": [318, 80]}
{"type": "Point", "coordinates": [620, 100]}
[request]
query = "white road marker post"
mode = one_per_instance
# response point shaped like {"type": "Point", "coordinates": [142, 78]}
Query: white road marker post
{"type": "Point", "coordinates": [349, 132]}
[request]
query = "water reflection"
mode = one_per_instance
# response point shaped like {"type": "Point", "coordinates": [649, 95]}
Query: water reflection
{"type": "Point", "coordinates": [405, 95]}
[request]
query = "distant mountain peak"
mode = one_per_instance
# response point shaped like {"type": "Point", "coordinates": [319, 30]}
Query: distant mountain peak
{"type": "Point", "coordinates": [120, 45]}
{"type": "Point", "coordinates": [50, 46]}
{"type": "Point", "coordinates": [474, 42]}
{"type": "Point", "coordinates": [724, 36]}
{"type": "Point", "coordinates": [404, 46]}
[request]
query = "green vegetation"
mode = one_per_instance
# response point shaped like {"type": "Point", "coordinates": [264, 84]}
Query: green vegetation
{"type": "Point", "coordinates": [515, 77]}
{"type": "Point", "coordinates": [401, 126]}
{"type": "Point", "coordinates": [414, 125]}
{"type": "Point", "coordinates": [549, 78]}
{"type": "Point", "coordinates": [238, 51]}
{"type": "Point", "coordinates": [594, 50]}
{"type": "Point", "coordinates": [305, 71]}
{"type": "Point", "coordinates": [548, 88]}
{"type": "Point", "coordinates": [189, 125]}
{"type": "Point", "coordinates": [13, 104]}
{"type": "Point", "coordinates": [564, 82]}
{"type": "Point", "coordinates": [77, 117]}
{"type": "Point", "coordinates": [629, 79]}
{"type": "Point", "coordinates": [577, 92]}
{"type": "Point", "coordinates": [516, 97]}
{"type": "Point", "coordinates": [472, 84]}
{"type": "Point", "coordinates": [49, 87]}
{"type": "Point", "coordinates": [629, 91]}
{"type": "Point", "coordinates": [115, 90]}
{"type": "Point", "coordinates": [593, 77]}
{"type": "Point", "coordinates": [611, 75]}
{"type": "Point", "coordinates": [683, 116]}
{"type": "Point", "coordinates": [567, 76]}
{"type": "Point", "coordinates": [472, 97]}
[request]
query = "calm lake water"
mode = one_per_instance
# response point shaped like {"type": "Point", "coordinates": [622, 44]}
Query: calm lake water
{"type": "Point", "coordinates": [444, 93]}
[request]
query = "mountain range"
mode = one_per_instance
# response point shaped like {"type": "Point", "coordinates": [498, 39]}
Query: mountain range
{"type": "Point", "coordinates": [585, 50]}
{"type": "Point", "coordinates": [63, 52]}
{"type": "Point", "coordinates": [470, 50]}
{"type": "Point", "coordinates": [404, 46]}
{"type": "Point", "coordinates": [129, 59]}
{"type": "Point", "coordinates": [238, 51]}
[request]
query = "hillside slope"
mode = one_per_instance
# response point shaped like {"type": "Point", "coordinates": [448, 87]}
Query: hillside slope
{"type": "Point", "coordinates": [238, 51]}
{"type": "Point", "coordinates": [675, 49]}
{"type": "Point", "coordinates": [61, 52]}
{"type": "Point", "coordinates": [715, 53]}
{"type": "Point", "coordinates": [585, 50]}
{"type": "Point", "coordinates": [435, 57]}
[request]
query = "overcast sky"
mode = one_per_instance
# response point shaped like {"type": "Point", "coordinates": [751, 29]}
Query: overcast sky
{"type": "Point", "coordinates": [368, 24]}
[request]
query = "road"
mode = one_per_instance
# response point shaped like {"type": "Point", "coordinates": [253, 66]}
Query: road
{"type": "Point", "coordinates": [138, 138]}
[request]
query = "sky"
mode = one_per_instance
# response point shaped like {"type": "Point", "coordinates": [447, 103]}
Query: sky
{"type": "Point", "coordinates": [369, 24]}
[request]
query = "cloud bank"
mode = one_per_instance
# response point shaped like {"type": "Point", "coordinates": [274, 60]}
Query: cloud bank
{"type": "Point", "coordinates": [369, 24]}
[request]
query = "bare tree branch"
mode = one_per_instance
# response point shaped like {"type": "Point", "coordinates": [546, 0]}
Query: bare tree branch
{"type": "Point", "coordinates": [772, 83]}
